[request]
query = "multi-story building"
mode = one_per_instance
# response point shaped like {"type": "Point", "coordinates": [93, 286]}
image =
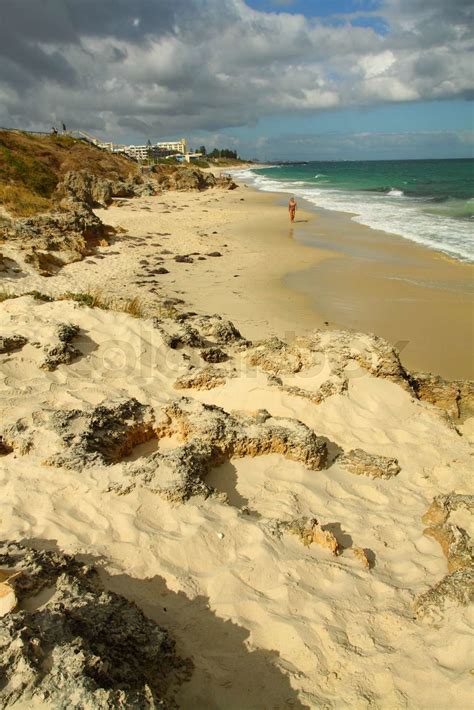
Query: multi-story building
{"type": "Point", "coordinates": [162, 148]}
{"type": "Point", "coordinates": [141, 152]}
{"type": "Point", "coordinates": [173, 146]}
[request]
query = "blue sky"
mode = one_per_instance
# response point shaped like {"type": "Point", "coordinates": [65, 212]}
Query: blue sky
{"type": "Point", "coordinates": [274, 79]}
{"type": "Point", "coordinates": [333, 12]}
{"type": "Point", "coordinates": [444, 130]}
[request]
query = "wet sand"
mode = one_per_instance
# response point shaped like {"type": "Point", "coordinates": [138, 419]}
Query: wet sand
{"type": "Point", "coordinates": [416, 298]}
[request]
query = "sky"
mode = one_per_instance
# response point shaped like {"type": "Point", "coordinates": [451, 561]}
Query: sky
{"type": "Point", "coordinates": [273, 79]}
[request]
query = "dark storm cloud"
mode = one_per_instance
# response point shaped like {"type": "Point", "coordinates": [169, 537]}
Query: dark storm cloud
{"type": "Point", "coordinates": [139, 66]}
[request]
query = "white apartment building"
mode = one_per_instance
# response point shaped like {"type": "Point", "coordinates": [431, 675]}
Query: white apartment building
{"type": "Point", "coordinates": [141, 152]}
{"type": "Point", "coordinates": [174, 146]}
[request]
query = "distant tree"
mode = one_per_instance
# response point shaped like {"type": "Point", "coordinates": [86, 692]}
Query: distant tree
{"type": "Point", "coordinates": [223, 153]}
{"type": "Point", "coordinates": [202, 150]}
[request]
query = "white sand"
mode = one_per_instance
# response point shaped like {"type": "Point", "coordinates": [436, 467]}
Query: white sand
{"type": "Point", "coordinates": [268, 622]}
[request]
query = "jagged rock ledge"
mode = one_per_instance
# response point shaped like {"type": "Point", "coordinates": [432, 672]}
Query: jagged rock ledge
{"type": "Point", "coordinates": [83, 646]}
{"type": "Point", "coordinates": [457, 587]}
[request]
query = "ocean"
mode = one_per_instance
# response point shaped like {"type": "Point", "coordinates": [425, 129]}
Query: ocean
{"type": "Point", "coordinates": [427, 201]}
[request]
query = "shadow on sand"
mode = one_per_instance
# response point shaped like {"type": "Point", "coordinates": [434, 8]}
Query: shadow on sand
{"type": "Point", "coordinates": [226, 673]}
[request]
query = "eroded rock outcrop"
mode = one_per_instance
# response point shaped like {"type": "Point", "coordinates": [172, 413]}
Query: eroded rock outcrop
{"type": "Point", "coordinates": [212, 436]}
{"type": "Point", "coordinates": [83, 186]}
{"type": "Point", "coordinates": [170, 177]}
{"type": "Point", "coordinates": [333, 357]}
{"type": "Point", "coordinates": [135, 186]}
{"type": "Point", "coordinates": [203, 378]}
{"type": "Point", "coordinates": [214, 355]}
{"type": "Point", "coordinates": [83, 647]}
{"type": "Point", "coordinates": [53, 239]}
{"type": "Point", "coordinates": [457, 587]}
{"type": "Point", "coordinates": [10, 343]}
{"type": "Point", "coordinates": [343, 356]}
{"type": "Point", "coordinates": [61, 351]}
{"type": "Point", "coordinates": [80, 438]}
{"type": "Point", "coordinates": [361, 463]}
{"type": "Point", "coordinates": [242, 435]}
{"type": "Point", "coordinates": [205, 332]}
{"type": "Point", "coordinates": [310, 531]}
{"type": "Point", "coordinates": [455, 397]}
{"type": "Point", "coordinates": [454, 540]}
{"type": "Point", "coordinates": [96, 191]}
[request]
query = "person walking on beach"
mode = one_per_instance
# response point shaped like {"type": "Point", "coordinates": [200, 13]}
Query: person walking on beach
{"type": "Point", "coordinates": [292, 208]}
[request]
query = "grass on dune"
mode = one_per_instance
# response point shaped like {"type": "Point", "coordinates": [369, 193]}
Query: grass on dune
{"type": "Point", "coordinates": [97, 299]}
{"type": "Point", "coordinates": [21, 202]}
{"type": "Point", "coordinates": [92, 299]}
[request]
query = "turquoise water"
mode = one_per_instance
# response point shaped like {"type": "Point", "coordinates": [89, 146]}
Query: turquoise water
{"type": "Point", "coordinates": [428, 201]}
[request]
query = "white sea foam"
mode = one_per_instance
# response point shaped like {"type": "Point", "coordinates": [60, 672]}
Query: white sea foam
{"type": "Point", "coordinates": [393, 212]}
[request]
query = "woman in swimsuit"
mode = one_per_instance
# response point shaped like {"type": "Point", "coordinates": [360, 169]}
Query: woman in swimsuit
{"type": "Point", "coordinates": [292, 208]}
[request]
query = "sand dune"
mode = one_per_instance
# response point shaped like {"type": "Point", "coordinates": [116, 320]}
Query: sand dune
{"type": "Point", "coordinates": [241, 596]}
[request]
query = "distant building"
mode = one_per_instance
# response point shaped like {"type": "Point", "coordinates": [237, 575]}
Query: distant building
{"type": "Point", "coordinates": [142, 152]}
{"type": "Point", "coordinates": [173, 146]}
{"type": "Point", "coordinates": [139, 152]}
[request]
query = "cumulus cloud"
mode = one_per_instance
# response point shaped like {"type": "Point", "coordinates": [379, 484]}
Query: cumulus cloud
{"type": "Point", "coordinates": [155, 67]}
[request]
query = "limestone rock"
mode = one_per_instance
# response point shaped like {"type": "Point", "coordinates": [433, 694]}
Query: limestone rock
{"type": "Point", "coordinates": [103, 435]}
{"type": "Point", "coordinates": [454, 541]}
{"type": "Point", "coordinates": [360, 555]}
{"type": "Point", "coordinates": [172, 177]}
{"type": "Point", "coordinates": [176, 475]}
{"type": "Point", "coordinates": [361, 463]}
{"type": "Point", "coordinates": [310, 531]}
{"type": "Point", "coordinates": [83, 186]}
{"type": "Point", "coordinates": [210, 437]}
{"type": "Point", "coordinates": [218, 330]}
{"type": "Point", "coordinates": [456, 397]}
{"type": "Point", "coordinates": [196, 331]}
{"type": "Point", "coordinates": [8, 598]}
{"type": "Point", "coordinates": [213, 355]}
{"type": "Point", "coordinates": [61, 352]}
{"type": "Point", "coordinates": [457, 587]}
{"type": "Point", "coordinates": [177, 334]}
{"type": "Point", "coordinates": [134, 186]}
{"type": "Point", "coordinates": [242, 435]}
{"type": "Point", "coordinates": [53, 239]}
{"type": "Point", "coordinates": [277, 357]}
{"type": "Point", "coordinates": [9, 343]}
{"type": "Point", "coordinates": [79, 438]}
{"type": "Point", "coordinates": [327, 389]}
{"type": "Point", "coordinates": [203, 378]}
{"type": "Point", "coordinates": [84, 647]}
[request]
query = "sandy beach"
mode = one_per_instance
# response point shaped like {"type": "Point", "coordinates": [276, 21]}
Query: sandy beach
{"type": "Point", "coordinates": [322, 270]}
{"type": "Point", "coordinates": [225, 493]}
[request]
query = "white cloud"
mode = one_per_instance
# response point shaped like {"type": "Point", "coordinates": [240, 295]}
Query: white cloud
{"type": "Point", "coordinates": [210, 64]}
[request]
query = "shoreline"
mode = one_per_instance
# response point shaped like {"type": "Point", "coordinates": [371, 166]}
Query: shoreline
{"type": "Point", "coordinates": [413, 296]}
{"type": "Point", "coordinates": [272, 279]}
